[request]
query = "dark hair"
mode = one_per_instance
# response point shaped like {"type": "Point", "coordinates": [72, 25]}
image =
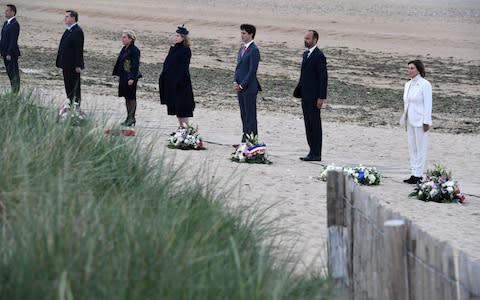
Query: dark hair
{"type": "Point", "coordinates": [419, 65]}
{"type": "Point", "coordinates": [315, 34]}
{"type": "Point", "coordinates": [73, 14]}
{"type": "Point", "coordinates": [12, 8]}
{"type": "Point", "coordinates": [250, 29]}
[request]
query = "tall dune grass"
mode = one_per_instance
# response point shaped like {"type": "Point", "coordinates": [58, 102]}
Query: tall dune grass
{"type": "Point", "coordinates": [89, 216]}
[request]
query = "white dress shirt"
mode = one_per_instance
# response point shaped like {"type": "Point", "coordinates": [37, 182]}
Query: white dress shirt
{"type": "Point", "coordinates": [248, 44]}
{"type": "Point", "coordinates": [10, 20]}
{"type": "Point", "coordinates": [311, 50]}
{"type": "Point", "coordinates": [70, 27]}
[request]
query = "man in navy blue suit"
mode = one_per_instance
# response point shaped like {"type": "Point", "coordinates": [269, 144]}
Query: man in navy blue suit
{"type": "Point", "coordinates": [9, 46]}
{"type": "Point", "coordinates": [312, 89]}
{"type": "Point", "coordinates": [245, 80]}
{"type": "Point", "coordinates": [70, 56]}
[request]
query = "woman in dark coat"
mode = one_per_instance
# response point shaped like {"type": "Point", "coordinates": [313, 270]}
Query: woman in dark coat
{"type": "Point", "coordinates": [175, 83]}
{"type": "Point", "coordinates": [127, 69]}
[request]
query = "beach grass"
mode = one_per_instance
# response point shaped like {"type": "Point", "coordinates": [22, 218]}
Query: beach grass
{"type": "Point", "coordinates": [84, 215]}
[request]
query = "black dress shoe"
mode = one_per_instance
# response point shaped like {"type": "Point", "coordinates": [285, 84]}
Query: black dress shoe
{"type": "Point", "coordinates": [311, 158]}
{"type": "Point", "coordinates": [413, 180]}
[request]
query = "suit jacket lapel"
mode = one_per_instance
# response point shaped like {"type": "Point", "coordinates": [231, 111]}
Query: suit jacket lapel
{"type": "Point", "coordinates": [314, 53]}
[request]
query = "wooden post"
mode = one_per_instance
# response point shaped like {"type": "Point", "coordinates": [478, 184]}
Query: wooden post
{"type": "Point", "coordinates": [337, 230]}
{"type": "Point", "coordinates": [396, 272]}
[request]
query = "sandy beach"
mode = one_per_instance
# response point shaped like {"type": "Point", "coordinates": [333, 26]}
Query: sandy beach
{"type": "Point", "coordinates": [367, 45]}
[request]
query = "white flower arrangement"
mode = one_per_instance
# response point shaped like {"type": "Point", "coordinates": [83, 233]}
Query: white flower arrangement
{"type": "Point", "coordinates": [361, 175]}
{"type": "Point", "coordinates": [186, 138]}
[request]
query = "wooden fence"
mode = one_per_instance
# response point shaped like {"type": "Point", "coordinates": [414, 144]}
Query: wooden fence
{"type": "Point", "coordinates": [378, 254]}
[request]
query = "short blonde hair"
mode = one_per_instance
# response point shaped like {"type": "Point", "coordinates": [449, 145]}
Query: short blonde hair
{"type": "Point", "coordinates": [131, 34]}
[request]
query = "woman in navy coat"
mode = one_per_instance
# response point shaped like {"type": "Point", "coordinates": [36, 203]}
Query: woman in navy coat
{"type": "Point", "coordinates": [175, 83]}
{"type": "Point", "coordinates": [127, 69]}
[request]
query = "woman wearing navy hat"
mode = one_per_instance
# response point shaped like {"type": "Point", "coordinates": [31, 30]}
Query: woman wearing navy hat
{"type": "Point", "coordinates": [175, 83]}
{"type": "Point", "coordinates": [127, 69]}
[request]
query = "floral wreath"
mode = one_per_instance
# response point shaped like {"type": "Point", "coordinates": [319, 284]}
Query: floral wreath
{"type": "Point", "coordinates": [360, 174]}
{"type": "Point", "coordinates": [252, 151]}
{"type": "Point", "coordinates": [74, 115]}
{"type": "Point", "coordinates": [186, 138]}
{"type": "Point", "coordinates": [438, 187]}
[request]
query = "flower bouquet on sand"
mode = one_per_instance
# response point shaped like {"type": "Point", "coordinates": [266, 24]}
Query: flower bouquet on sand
{"type": "Point", "coordinates": [252, 151]}
{"type": "Point", "coordinates": [74, 114]}
{"type": "Point", "coordinates": [438, 187]}
{"type": "Point", "coordinates": [361, 175]}
{"type": "Point", "coordinates": [186, 138]}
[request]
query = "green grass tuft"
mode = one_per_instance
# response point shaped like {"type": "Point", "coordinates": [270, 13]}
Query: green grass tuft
{"type": "Point", "coordinates": [84, 215]}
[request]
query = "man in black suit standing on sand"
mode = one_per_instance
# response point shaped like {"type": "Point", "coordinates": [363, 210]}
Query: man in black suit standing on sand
{"type": "Point", "coordinates": [9, 46]}
{"type": "Point", "coordinates": [70, 56]}
{"type": "Point", "coordinates": [312, 89]}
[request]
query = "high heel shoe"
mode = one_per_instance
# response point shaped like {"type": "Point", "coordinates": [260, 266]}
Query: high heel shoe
{"type": "Point", "coordinates": [130, 122]}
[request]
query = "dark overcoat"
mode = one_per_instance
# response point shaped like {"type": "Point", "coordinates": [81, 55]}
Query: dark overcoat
{"type": "Point", "coordinates": [127, 67]}
{"type": "Point", "coordinates": [175, 83]}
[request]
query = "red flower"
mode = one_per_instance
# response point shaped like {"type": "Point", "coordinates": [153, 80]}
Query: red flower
{"type": "Point", "coordinates": [458, 195]}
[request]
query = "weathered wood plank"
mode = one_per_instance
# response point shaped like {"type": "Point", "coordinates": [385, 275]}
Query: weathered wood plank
{"type": "Point", "coordinates": [396, 272]}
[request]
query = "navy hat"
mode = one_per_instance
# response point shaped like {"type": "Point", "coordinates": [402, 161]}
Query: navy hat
{"type": "Point", "coordinates": [182, 30]}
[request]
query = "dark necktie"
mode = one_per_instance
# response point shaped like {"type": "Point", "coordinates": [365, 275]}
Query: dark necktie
{"type": "Point", "coordinates": [305, 56]}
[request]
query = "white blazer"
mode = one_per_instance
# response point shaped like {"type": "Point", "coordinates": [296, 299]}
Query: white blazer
{"type": "Point", "coordinates": [417, 102]}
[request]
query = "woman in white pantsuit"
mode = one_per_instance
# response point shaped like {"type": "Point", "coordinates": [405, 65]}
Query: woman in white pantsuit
{"type": "Point", "coordinates": [417, 117]}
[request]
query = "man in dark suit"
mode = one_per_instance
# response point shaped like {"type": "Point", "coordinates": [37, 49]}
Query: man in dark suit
{"type": "Point", "coordinates": [9, 46]}
{"type": "Point", "coordinates": [70, 56]}
{"type": "Point", "coordinates": [245, 80]}
{"type": "Point", "coordinates": [312, 89]}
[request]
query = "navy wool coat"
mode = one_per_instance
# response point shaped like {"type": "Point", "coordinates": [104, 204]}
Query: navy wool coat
{"type": "Point", "coordinates": [175, 82]}
{"type": "Point", "coordinates": [126, 68]}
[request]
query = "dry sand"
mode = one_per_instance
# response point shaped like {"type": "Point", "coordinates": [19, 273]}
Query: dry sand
{"type": "Point", "coordinates": [367, 43]}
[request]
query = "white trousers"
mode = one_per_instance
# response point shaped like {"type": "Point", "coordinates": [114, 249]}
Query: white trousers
{"type": "Point", "coordinates": [417, 149]}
